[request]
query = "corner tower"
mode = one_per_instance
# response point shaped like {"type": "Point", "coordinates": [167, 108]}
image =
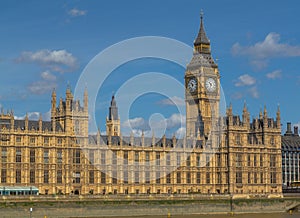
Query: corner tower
{"type": "Point", "coordinates": [202, 82]}
{"type": "Point", "coordinates": [113, 121]}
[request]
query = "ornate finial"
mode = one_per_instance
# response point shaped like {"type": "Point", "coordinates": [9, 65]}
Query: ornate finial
{"type": "Point", "coordinates": [201, 14]}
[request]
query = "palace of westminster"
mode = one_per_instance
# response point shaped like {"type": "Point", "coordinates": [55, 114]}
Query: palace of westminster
{"type": "Point", "coordinates": [219, 155]}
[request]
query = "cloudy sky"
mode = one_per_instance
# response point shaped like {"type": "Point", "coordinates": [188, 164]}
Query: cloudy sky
{"type": "Point", "coordinates": [47, 44]}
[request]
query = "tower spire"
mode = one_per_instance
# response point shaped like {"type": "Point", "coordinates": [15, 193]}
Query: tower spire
{"type": "Point", "coordinates": [202, 43]}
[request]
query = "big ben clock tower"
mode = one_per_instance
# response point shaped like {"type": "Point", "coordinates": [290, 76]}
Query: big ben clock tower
{"type": "Point", "coordinates": [202, 83]}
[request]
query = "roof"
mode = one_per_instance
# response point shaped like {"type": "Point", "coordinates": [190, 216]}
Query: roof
{"type": "Point", "coordinates": [201, 38]}
{"type": "Point", "coordinates": [32, 124]}
{"type": "Point", "coordinates": [201, 60]}
{"type": "Point", "coordinates": [290, 143]}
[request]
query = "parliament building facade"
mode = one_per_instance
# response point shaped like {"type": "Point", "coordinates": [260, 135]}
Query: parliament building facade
{"type": "Point", "coordinates": [219, 154]}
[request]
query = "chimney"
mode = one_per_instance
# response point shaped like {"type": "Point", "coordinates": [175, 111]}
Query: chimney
{"type": "Point", "coordinates": [296, 131]}
{"type": "Point", "coordinates": [289, 130]}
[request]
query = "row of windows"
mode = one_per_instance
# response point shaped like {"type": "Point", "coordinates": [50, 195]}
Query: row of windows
{"type": "Point", "coordinates": [137, 177]}
{"type": "Point", "coordinates": [253, 178]}
{"type": "Point", "coordinates": [254, 162]}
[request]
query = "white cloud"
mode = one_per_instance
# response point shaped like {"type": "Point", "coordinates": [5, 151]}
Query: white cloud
{"type": "Point", "coordinates": [269, 48]}
{"type": "Point", "coordinates": [274, 75]}
{"type": "Point", "coordinates": [175, 100]}
{"type": "Point", "coordinates": [139, 125]}
{"type": "Point", "coordinates": [76, 12]}
{"type": "Point", "coordinates": [48, 76]}
{"type": "Point", "coordinates": [45, 85]}
{"type": "Point", "coordinates": [56, 60]}
{"type": "Point", "coordinates": [253, 92]}
{"type": "Point", "coordinates": [245, 80]}
{"type": "Point", "coordinates": [134, 123]}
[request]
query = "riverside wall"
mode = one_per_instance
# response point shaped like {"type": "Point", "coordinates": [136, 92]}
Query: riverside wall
{"type": "Point", "coordinates": [108, 206]}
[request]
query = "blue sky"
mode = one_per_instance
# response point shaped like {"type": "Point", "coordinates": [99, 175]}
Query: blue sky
{"type": "Point", "coordinates": [47, 44]}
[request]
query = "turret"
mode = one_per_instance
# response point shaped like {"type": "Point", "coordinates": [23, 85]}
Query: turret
{"type": "Point", "coordinates": [113, 121]}
{"type": "Point", "coordinates": [278, 118]}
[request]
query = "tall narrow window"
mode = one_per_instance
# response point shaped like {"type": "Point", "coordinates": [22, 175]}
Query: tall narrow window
{"type": "Point", "coordinates": [178, 178]}
{"type": "Point", "coordinates": [178, 159]}
{"type": "Point", "coordinates": [18, 176]}
{"type": "Point", "coordinates": [125, 158]}
{"type": "Point", "coordinates": [136, 177]}
{"type": "Point", "coordinates": [188, 178]}
{"type": "Point", "coordinates": [77, 177]}
{"type": "Point", "coordinates": [76, 156]}
{"type": "Point", "coordinates": [168, 178]}
{"type": "Point", "coordinates": [91, 157]}
{"type": "Point", "coordinates": [198, 163]}
{"type": "Point", "coordinates": [103, 178]}
{"type": "Point", "coordinates": [207, 178]}
{"type": "Point", "coordinates": [18, 155]}
{"type": "Point", "coordinates": [59, 176]}
{"type": "Point", "coordinates": [198, 178]}
{"type": "Point", "coordinates": [239, 177]}
{"type": "Point", "coordinates": [32, 156]}
{"type": "Point", "coordinates": [158, 177]}
{"type": "Point", "coordinates": [125, 177]}
{"type": "Point", "coordinates": [46, 156]}
{"type": "Point", "coordinates": [188, 161]}
{"type": "Point", "coordinates": [147, 177]}
{"type": "Point", "coordinates": [103, 158]}
{"type": "Point", "coordinates": [4, 155]}
{"type": "Point", "coordinates": [46, 176]}
{"type": "Point", "coordinates": [157, 159]}
{"type": "Point", "coordinates": [147, 158]}
{"type": "Point", "coordinates": [32, 176]}
{"type": "Point", "coordinates": [91, 177]}
{"type": "Point", "coordinates": [3, 176]}
{"type": "Point", "coordinates": [168, 161]}
{"type": "Point", "coordinates": [59, 155]}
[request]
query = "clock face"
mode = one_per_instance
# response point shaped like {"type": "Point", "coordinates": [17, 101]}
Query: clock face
{"type": "Point", "coordinates": [192, 85]}
{"type": "Point", "coordinates": [210, 85]}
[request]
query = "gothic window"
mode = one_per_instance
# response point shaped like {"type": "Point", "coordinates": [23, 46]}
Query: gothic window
{"type": "Point", "coordinates": [178, 178]}
{"type": "Point", "coordinates": [147, 177]}
{"type": "Point", "coordinates": [198, 178]}
{"type": "Point", "coordinates": [125, 177]}
{"type": "Point", "coordinates": [114, 158]}
{"type": "Point", "coordinates": [261, 178]}
{"type": "Point", "coordinates": [46, 156]}
{"type": "Point", "coordinates": [76, 156]}
{"type": "Point", "coordinates": [157, 158]}
{"type": "Point", "coordinates": [168, 178]}
{"type": "Point", "coordinates": [188, 178]}
{"type": "Point", "coordinates": [158, 177]}
{"type": "Point", "coordinates": [178, 159]}
{"type": "Point", "coordinates": [198, 163]}
{"type": "Point", "coordinates": [91, 177]}
{"type": "Point", "coordinates": [261, 161]}
{"type": "Point", "coordinates": [91, 157]}
{"type": "Point", "coordinates": [125, 159]}
{"type": "Point", "coordinates": [273, 178]}
{"type": "Point", "coordinates": [4, 155]}
{"type": "Point", "coordinates": [59, 176]}
{"type": "Point", "coordinates": [255, 177]}
{"type": "Point", "coordinates": [46, 140]}
{"type": "Point", "coordinates": [46, 176]}
{"type": "Point", "coordinates": [188, 161]}
{"type": "Point", "coordinates": [18, 176]}
{"type": "Point", "coordinates": [273, 161]}
{"type": "Point", "coordinates": [18, 140]}
{"type": "Point", "coordinates": [218, 160]}
{"type": "Point", "coordinates": [103, 178]}
{"type": "Point", "coordinates": [136, 177]}
{"type": "Point", "coordinates": [238, 139]}
{"type": "Point", "coordinates": [59, 155]}
{"type": "Point", "coordinates": [207, 178]}
{"type": "Point", "coordinates": [77, 177]}
{"type": "Point", "coordinates": [249, 160]}
{"type": "Point", "coordinates": [18, 155]}
{"type": "Point", "coordinates": [3, 175]}
{"type": "Point", "coordinates": [114, 177]}
{"type": "Point", "coordinates": [219, 180]}
{"type": "Point", "coordinates": [168, 161]}
{"type": "Point", "coordinates": [207, 160]}
{"type": "Point", "coordinates": [255, 160]}
{"type": "Point", "coordinates": [239, 177]}
{"type": "Point", "coordinates": [136, 157]}
{"type": "Point", "coordinates": [239, 160]}
{"type": "Point", "coordinates": [103, 158]}
{"type": "Point", "coordinates": [32, 156]}
{"type": "Point", "coordinates": [272, 140]}
{"type": "Point", "coordinates": [32, 140]}
{"type": "Point", "coordinates": [32, 176]}
{"type": "Point", "coordinates": [249, 178]}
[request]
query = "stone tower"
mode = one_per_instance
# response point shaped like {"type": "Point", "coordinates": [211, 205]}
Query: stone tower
{"type": "Point", "coordinates": [202, 82]}
{"type": "Point", "coordinates": [70, 114]}
{"type": "Point", "coordinates": [113, 121]}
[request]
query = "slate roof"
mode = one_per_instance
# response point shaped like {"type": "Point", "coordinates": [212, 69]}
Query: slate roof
{"type": "Point", "coordinates": [201, 38]}
{"type": "Point", "coordinates": [290, 143]}
{"type": "Point", "coordinates": [201, 59]}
